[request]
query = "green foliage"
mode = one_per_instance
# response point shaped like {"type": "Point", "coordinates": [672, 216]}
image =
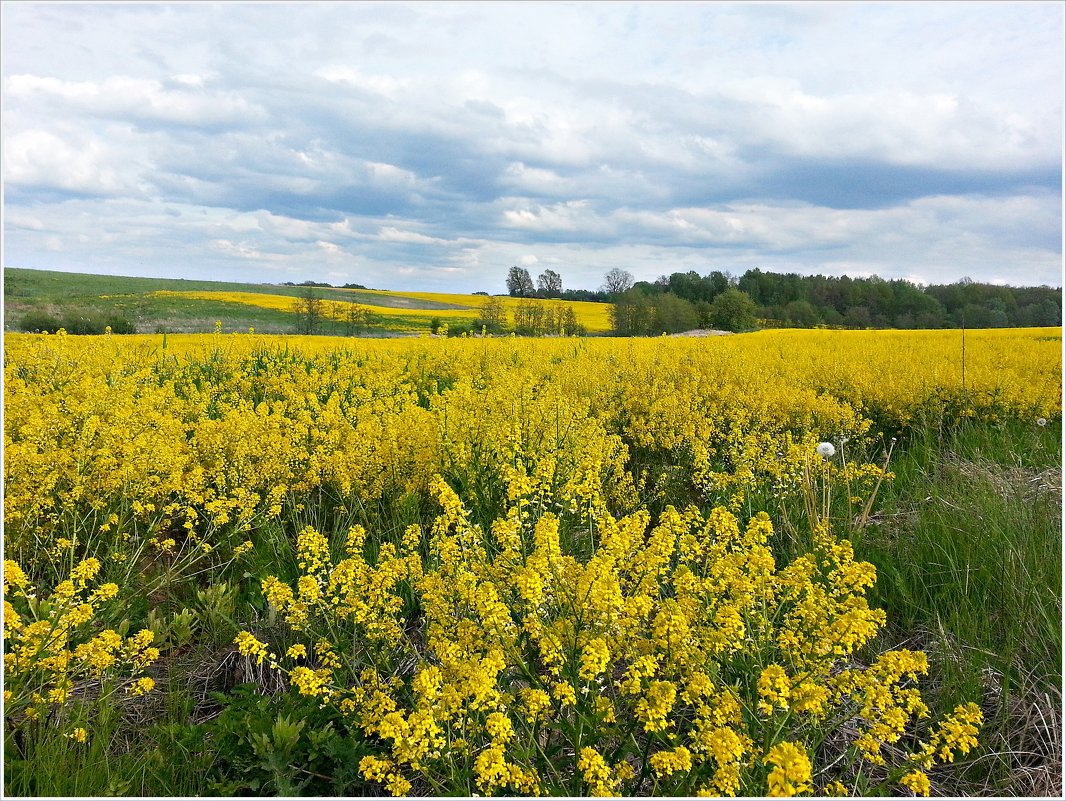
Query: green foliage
{"type": "Point", "coordinates": [39, 321]}
{"type": "Point", "coordinates": [549, 284]}
{"type": "Point", "coordinates": [283, 745]}
{"type": "Point", "coordinates": [519, 283]}
{"type": "Point", "coordinates": [77, 322]}
{"type": "Point", "coordinates": [533, 318]}
{"type": "Point", "coordinates": [493, 317]}
{"type": "Point", "coordinates": [673, 314]}
{"type": "Point", "coordinates": [733, 310]}
{"type": "Point", "coordinates": [633, 313]}
{"type": "Point", "coordinates": [968, 549]}
{"type": "Point", "coordinates": [875, 302]}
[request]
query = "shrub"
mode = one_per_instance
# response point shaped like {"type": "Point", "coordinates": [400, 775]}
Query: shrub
{"type": "Point", "coordinates": [37, 321]}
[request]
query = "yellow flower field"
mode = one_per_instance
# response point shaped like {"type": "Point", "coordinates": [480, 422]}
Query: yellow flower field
{"type": "Point", "coordinates": [499, 565]}
{"type": "Point", "coordinates": [595, 317]}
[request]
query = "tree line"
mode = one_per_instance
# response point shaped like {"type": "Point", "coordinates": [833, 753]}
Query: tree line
{"type": "Point", "coordinates": [810, 300]}
{"type": "Point", "coordinates": [315, 315]}
{"type": "Point", "coordinates": [685, 301]}
{"type": "Point", "coordinates": [531, 317]}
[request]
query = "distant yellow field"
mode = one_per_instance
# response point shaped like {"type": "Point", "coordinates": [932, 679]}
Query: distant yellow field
{"type": "Point", "coordinates": [595, 317]}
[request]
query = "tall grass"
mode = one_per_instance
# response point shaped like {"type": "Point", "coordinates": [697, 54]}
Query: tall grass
{"type": "Point", "coordinates": [968, 549]}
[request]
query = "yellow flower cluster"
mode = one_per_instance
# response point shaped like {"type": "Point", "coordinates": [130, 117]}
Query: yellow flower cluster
{"type": "Point", "coordinates": [653, 634]}
{"type": "Point", "coordinates": [51, 643]}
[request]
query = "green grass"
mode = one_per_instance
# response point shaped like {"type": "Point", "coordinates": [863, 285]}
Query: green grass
{"type": "Point", "coordinates": [968, 548]}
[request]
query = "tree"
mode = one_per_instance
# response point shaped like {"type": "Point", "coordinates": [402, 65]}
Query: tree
{"type": "Point", "coordinates": [616, 281]}
{"type": "Point", "coordinates": [550, 284]}
{"type": "Point", "coordinates": [632, 314]}
{"type": "Point", "coordinates": [519, 282]}
{"type": "Point", "coordinates": [493, 317]}
{"type": "Point", "coordinates": [529, 318]}
{"type": "Point", "coordinates": [356, 318]}
{"type": "Point", "coordinates": [568, 324]}
{"type": "Point", "coordinates": [733, 310]}
{"type": "Point", "coordinates": [310, 309]}
{"type": "Point", "coordinates": [673, 314]}
{"type": "Point", "coordinates": [801, 313]}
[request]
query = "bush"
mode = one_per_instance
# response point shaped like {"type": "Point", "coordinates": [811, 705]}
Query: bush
{"type": "Point", "coordinates": [733, 310]}
{"type": "Point", "coordinates": [77, 322]}
{"type": "Point", "coordinates": [37, 321]}
{"type": "Point", "coordinates": [89, 322]}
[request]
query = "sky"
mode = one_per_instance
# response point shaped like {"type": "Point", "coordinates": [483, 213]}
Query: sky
{"type": "Point", "coordinates": [431, 146]}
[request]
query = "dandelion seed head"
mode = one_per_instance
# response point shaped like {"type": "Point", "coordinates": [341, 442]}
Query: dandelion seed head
{"type": "Point", "coordinates": [826, 450]}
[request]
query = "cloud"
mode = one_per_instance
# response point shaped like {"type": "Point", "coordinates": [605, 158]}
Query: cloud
{"type": "Point", "coordinates": [121, 97]}
{"type": "Point", "coordinates": [455, 140]}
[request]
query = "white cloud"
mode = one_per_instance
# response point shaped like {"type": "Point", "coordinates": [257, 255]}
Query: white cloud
{"type": "Point", "coordinates": [378, 84]}
{"type": "Point", "coordinates": [135, 98]}
{"type": "Point", "coordinates": [42, 158]}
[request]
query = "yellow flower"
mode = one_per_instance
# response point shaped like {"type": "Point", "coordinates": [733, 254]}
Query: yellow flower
{"type": "Point", "coordinates": [250, 646]}
{"type": "Point", "coordinates": [499, 727]}
{"type": "Point", "coordinates": [594, 659]}
{"type": "Point", "coordinates": [141, 686]}
{"type": "Point", "coordinates": [78, 735]}
{"type": "Point", "coordinates": [666, 762]}
{"type": "Point", "coordinates": [564, 693]}
{"type": "Point", "coordinates": [774, 689]}
{"type": "Point", "coordinates": [791, 773]}
{"type": "Point", "coordinates": [596, 773]}
{"type": "Point", "coordinates": [656, 704]}
{"type": "Point", "coordinates": [917, 782]}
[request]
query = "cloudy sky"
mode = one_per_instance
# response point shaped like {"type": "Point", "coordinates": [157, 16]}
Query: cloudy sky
{"type": "Point", "coordinates": [430, 146]}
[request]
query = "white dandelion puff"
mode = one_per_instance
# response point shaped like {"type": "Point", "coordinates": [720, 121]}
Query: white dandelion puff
{"type": "Point", "coordinates": [826, 450]}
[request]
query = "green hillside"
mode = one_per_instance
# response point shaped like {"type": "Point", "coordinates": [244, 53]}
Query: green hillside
{"type": "Point", "coordinates": [45, 300]}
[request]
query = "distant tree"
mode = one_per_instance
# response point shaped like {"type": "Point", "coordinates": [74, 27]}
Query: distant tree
{"type": "Point", "coordinates": [550, 284]}
{"type": "Point", "coordinates": [519, 283]}
{"type": "Point", "coordinates": [733, 310]}
{"type": "Point", "coordinates": [801, 313]}
{"type": "Point", "coordinates": [632, 314]}
{"type": "Point", "coordinates": [530, 318]}
{"type": "Point", "coordinates": [649, 288]}
{"type": "Point", "coordinates": [310, 310]}
{"type": "Point", "coordinates": [356, 318]}
{"type": "Point", "coordinates": [673, 314]}
{"type": "Point", "coordinates": [857, 317]}
{"type": "Point", "coordinates": [588, 295]}
{"type": "Point", "coordinates": [616, 281]}
{"type": "Point", "coordinates": [493, 317]}
{"type": "Point", "coordinates": [717, 282]}
{"type": "Point", "coordinates": [568, 324]}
